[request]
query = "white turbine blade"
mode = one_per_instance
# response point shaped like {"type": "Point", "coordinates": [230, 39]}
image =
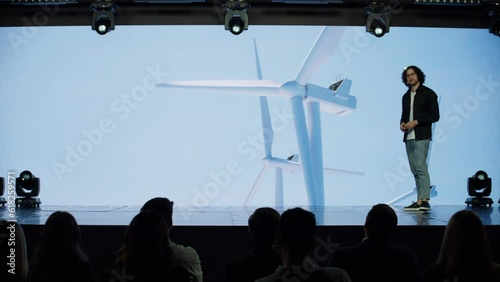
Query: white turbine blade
{"type": "Point", "coordinates": [402, 197]}
{"type": "Point", "coordinates": [267, 127]}
{"type": "Point", "coordinates": [304, 148]}
{"type": "Point", "coordinates": [293, 167]}
{"type": "Point", "coordinates": [257, 61]}
{"type": "Point", "coordinates": [242, 87]}
{"type": "Point", "coordinates": [406, 195]}
{"type": "Point", "coordinates": [324, 47]}
{"type": "Point", "coordinates": [256, 184]}
{"type": "Point", "coordinates": [342, 171]}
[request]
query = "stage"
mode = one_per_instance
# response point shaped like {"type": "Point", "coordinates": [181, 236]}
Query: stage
{"type": "Point", "coordinates": [238, 216]}
{"type": "Point", "coordinates": [219, 233]}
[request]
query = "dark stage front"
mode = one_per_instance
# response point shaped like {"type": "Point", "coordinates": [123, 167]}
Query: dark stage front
{"type": "Point", "coordinates": [219, 233]}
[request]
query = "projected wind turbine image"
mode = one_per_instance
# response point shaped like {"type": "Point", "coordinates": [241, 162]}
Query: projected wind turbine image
{"type": "Point", "coordinates": [208, 147]}
{"type": "Point", "coordinates": [305, 99]}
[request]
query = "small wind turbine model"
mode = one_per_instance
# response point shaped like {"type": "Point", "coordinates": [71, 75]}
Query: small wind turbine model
{"type": "Point", "coordinates": [335, 99]}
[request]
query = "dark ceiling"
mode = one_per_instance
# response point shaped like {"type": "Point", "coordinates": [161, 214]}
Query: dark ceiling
{"type": "Point", "coordinates": [261, 12]}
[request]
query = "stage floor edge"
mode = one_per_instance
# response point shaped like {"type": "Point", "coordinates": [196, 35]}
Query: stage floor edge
{"type": "Point", "coordinates": [238, 216]}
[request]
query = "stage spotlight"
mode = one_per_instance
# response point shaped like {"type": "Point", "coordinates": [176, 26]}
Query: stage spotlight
{"type": "Point", "coordinates": [236, 18]}
{"type": "Point", "coordinates": [2, 190]}
{"type": "Point", "coordinates": [494, 14]}
{"type": "Point", "coordinates": [27, 189]}
{"type": "Point", "coordinates": [479, 188]}
{"type": "Point", "coordinates": [378, 19]}
{"type": "Point", "coordinates": [103, 18]}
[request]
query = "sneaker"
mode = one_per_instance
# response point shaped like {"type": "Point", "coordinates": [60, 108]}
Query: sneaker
{"type": "Point", "coordinates": [413, 207]}
{"type": "Point", "coordinates": [425, 206]}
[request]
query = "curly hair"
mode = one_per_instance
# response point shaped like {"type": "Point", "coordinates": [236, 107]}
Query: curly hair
{"type": "Point", "coordinates": [417, 70]}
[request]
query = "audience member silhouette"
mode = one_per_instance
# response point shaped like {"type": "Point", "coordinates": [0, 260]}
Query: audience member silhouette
{"type": "Point", "coordinates": [13, 250]}
{"type": "Point", "coordinates": [184, 256]}
{"type": "Point", "coordinates": [58, 256]}
{"type": "Point", "coordinates": [465, 254]}
{"type": "Point", "coordinates": [296, 240]}
{"type": "Point", "coordinates": [147, 256]}
{"type": "Point", "coordinates": [376, 258]}
{"type": "Point", "coordinates": [263, 258]}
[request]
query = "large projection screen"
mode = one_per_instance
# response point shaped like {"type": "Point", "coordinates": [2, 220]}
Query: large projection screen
{"type": "Point", "coordinates": [81, 112]}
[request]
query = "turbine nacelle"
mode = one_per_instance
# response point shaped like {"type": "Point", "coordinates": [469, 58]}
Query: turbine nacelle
{"type": "Point", "coordinates": [337, 101]}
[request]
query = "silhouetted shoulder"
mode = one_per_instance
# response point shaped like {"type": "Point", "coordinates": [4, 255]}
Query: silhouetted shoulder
{"type": "Point", "coordinates": [334, 274]}
{"type": "Point", "coordinates": [184, 254]}
{"type": "Point", "coordinates": [311, 273]}
{"type": "Point", "coordinates": [188, 258]}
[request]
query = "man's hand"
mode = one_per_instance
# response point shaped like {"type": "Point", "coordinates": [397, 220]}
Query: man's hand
{"type": "Point", "coordinates": [411, 124]}
{"type": "Point", "coordinates": [402, 126]}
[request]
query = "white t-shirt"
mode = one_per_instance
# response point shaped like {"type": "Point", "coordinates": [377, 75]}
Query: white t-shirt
{"type": "Point", "coordinates": [411, 132]}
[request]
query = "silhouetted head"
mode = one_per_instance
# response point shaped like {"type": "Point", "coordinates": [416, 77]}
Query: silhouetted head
{"type": "Point", "coordinates": [61, 231]}
{"type": "Point", "coordinates": [147, 252]}
{"type": "Point", "coordinates": [296, 232]}
{"type": "Point", "coordinates": [162, 206]}
{"type": "Point", "coordinates": [147, 234]}
{"type": "Point", "coordinates": [419, 73]}
{"type": "Point", "coordinates": [59, 242]}
{"type": "Point", "coordinates": [381, 221]}
{"type": "Point", "coordinates": [465, 244]}
{"type": "Point", "coordinates": [263, 226]}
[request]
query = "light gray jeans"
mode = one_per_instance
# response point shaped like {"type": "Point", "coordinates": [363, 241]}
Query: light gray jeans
{"type": "Point", "coordinates": [417, 151]}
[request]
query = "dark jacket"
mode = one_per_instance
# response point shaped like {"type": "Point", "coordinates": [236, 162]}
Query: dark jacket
{"type": "Point", "coordinates": [258, 263]}
{"type": "Point", "coordinates": [374, 261]}
{"type": "Point", "coordinates": [425, 111]}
